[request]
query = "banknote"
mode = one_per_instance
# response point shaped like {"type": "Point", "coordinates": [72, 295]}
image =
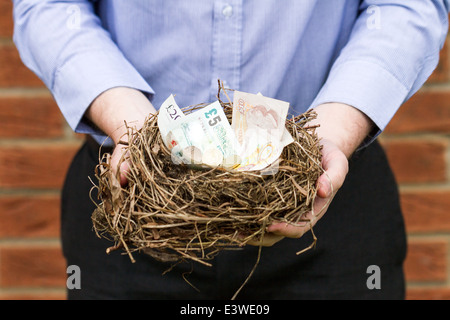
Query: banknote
{"type": "Point", "coordinates": [205, 137]}
{"type": "Point", "coordinates": [169, 116]}
{"type": "Point", "coordinates": [259, 125]}
{"type": "Point", "coordinates": [256, 111]}
{"type": "Point", "coordinates": [258, 151]}
{"type": "Point", "coordinates": [286, 137]}
{"type": "Point", "coordinates": [254, 140]}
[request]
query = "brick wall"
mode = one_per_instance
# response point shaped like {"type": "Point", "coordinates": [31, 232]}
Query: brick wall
{"type": "Point", "coordinates": [417, 142]}
{"type": "Point", "coordinates": [36, 147]}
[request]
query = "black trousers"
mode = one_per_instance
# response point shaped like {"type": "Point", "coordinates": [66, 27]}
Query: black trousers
{"type": "Point", "coordinates": [361, 244]}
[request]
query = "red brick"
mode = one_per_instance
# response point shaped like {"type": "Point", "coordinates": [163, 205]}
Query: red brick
{"type": "Point", "coordinates": [32, 267]}
{"type": "Point", "coordinates": [34, 296]}
{"type": "Point", "coordinates": [13, 72]}
{"type": "Point", "coordinates": [426, 260]}
{"type": "Point", "coordinates": [429, 293]}
{"type": "Point", "coordinates": [426, 111]}
{"type": "Point", "coordinates": [35, 166]}
{"type": "Point", "coordinates": [417, 161]}
{"type": "Point", "coordinates": [426, 211]}
{"type": "Point", "coordinates": [442, 71]}
{"type": "Point", "coordinates": [6, 20]}
{"type": "Point", "coordinates": [30, 117]}
{"type": "Point", "coordinates": [29, 216]}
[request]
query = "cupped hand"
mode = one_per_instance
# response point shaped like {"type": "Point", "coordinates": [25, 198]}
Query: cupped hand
{"type": "Point", "coordinates": [335, 165]}
{"type": "Point", "coordinates": [110, 111]}
{"type": "Point", "coordinates": [342, 129]}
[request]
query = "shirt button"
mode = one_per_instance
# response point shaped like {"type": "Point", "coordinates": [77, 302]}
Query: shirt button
{"type": "Point", "coordinates": [227, 11]}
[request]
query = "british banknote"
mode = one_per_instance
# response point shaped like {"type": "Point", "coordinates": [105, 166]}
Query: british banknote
{"type": "Point", "coordinates": [259, 125]}
{"type": "Point", "coordinates": [169, 116]}
{"type": "Point", "coordinates": [253, 141]}
{"type": "Point", "coordinates": [204, 137]}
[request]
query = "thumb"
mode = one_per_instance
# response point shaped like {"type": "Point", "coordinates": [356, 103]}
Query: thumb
{"type": "Point", "coordinates": [119, 164]}
{"type": "Point", "coordinates": [335, 164]}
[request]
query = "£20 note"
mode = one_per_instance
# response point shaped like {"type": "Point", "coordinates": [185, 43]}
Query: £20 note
{"type": "Point", "coordinates": [259, 124]}
{"type": "Point", "coordinates": [169, 116]}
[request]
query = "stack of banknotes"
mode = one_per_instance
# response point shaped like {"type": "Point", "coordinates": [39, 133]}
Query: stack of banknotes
{"type": "Point", "coordinates": [204, 138]}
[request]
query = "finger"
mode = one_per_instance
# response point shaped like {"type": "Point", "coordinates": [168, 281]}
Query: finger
{"type": "Point", "coordinates": [124, 169]}
{"type": "Point", "coordinates": [336, 168]}
{"type": "Point", "coordinates": [119, 165]}
{"type": "Point", "coordinates": [324, 186]}
{"type": "Point", "coordinates": [288, 230]}
{"type": "Point", "coordinates": [269, 240]}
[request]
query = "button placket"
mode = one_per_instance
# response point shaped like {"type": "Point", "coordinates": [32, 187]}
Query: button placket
{"type": "Point", "coordinates": [227, 46]}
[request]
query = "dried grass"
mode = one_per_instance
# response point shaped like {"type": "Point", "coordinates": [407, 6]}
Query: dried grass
{"type": "Point", "coordinates": [173, 212]}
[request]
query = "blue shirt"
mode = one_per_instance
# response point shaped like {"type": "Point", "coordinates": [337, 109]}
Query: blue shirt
{"type": "Point", "coordinates": [370, 54]}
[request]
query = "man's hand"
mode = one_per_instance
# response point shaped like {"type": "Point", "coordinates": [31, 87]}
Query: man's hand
{"type": "Point", "coordinates": [109, 112]}
{"type": "Point", "coordinates": [342, 129]}
{"type": "Point", "coordinates": [335, 164]}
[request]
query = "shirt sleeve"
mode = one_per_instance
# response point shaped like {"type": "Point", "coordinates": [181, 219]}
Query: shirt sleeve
{"type": "Point", "coordinates": [64, 43]}
{"type": "Point", "coordinates": [392, 50]}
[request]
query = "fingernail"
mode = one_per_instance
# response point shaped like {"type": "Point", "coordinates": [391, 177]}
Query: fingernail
{"type": "Point", "coordinates": [324, 190]}
{"type": "Point", "coordinates": [319, 186]}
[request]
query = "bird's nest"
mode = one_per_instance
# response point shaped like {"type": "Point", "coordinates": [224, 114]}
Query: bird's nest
{"type": "Point", "coordinates": [174, 212]}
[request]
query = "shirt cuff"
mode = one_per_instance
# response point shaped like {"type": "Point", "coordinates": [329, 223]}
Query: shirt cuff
{"type": "Point", "coordinates": [85, 76]}
{"type": "Point", "coordinates": [367, 87]}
